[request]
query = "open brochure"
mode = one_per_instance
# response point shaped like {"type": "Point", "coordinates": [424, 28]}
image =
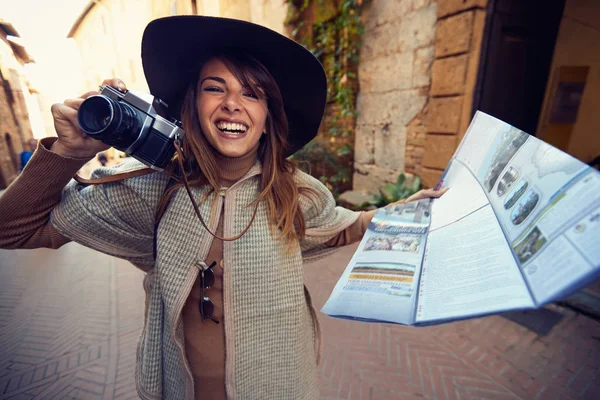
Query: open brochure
{"type": "Point", "coordinates": [519, 227]}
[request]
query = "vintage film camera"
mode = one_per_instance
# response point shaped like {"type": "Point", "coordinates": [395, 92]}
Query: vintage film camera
{"type": "Point", "coordinates": [131, 123]}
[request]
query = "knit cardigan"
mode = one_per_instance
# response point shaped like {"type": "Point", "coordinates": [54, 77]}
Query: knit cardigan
{"type": "Point", "coordinates": [271, 331]}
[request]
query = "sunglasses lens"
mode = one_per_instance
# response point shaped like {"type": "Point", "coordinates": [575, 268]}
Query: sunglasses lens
{"type": "Point", "coordinates": [207, 308]}
{"type": "Point", "coordinates": [208, 278]}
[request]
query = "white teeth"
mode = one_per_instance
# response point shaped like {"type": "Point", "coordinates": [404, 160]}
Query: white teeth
{"type": "Point", "coordinates": [232, 126]}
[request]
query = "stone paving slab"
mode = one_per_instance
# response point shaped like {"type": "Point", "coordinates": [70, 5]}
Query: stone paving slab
{"type": "Point", "coordinates": [70, 319]}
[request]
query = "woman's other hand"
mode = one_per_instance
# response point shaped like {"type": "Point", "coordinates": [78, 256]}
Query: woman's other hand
{"type": "Point", "coordinates": [72, 142]}
{"type": "Point", "coordinates": [421, 194]}
{"type": "Point", "coordinates": [426, 193]}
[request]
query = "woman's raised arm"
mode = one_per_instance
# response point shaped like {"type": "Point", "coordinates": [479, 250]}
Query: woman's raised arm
{"type": "Point", "coordinates": [26, 205]}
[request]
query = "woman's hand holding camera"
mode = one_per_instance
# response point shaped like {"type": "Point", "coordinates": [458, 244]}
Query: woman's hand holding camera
{"type": "Point", "coordinates": [72, 142]}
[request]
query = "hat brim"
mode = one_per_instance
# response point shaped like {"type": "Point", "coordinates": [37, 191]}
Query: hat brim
{"type": "Point", "coordinates": [172, 47]}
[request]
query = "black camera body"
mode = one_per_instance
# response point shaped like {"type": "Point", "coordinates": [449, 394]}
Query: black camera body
{"type": "Point", "coordinates": [139, 127]}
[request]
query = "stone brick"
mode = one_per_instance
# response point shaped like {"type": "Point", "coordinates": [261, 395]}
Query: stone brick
{"type": "Point", "coordinates": [397, 107]}
{"type": "Point", "coordinates": [454, 34]}
{"type": "Point", "coordinates": [364, 143]}
{"type": "Point", "coordinates": [413, 161]}
{"type": "Point", "coordinates": [438, 150]}
{"type": "Point", "coordinates": [448, 76]}
{"type": "Point", "coordinates": [472, 70]}
{"type": "Point", "coordinates": [417, 4]}
{"type": "Point", "coordinates": [418, 28]}
{"type": "Point", "coordinates": [415, 134]}
{"type": "Point", "coordinates": [369, 178]}
{"type": "Point", "coordinates": [238, 9]}
{"type": "Point", "coordinates": [386, 73]}
{"type": "Point", "coordinates": [390, 142]}
{"type": "Point", "coordinates": [422, 68]}
{"type": "Point", "coordinates": [444, 114]}
{"type": "Point", "coordinates": [354, 198]}
{"type": "Point", "coordinates": [447, 7]}
{"type": "Point", "coordinates": [11, 143]}
{"type": "Point", "coordinates": [415, 139]}
{"type": "Point", "coordinates": [379, 12]}
{"type": "Point", "coordinates": [430, 176]}
{"type": "Point", "coordinates": [416, 128]}
{"type": "Point", "coordinates": [414, 30]}
{"type": "Point", "coordinates": [377, 43]}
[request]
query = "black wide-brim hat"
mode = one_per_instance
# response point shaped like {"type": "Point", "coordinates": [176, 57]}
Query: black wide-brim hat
{"type": "Point", "coordinates": [173, 47]}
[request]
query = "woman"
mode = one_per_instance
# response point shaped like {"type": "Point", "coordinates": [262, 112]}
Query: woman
{"type": "Point", "coordinates": [226, 317]}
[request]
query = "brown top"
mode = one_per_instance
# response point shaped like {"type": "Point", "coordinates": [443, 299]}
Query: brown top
{"type": "Point", "coordinates": [26, 204]}
{"type": "Point", "coordinates": [25, 219]}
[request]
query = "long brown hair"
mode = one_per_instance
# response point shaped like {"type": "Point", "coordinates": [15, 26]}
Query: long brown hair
{"type": "Point", "coordinates": [277, 185]}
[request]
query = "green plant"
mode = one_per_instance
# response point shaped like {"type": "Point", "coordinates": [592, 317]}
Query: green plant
{"type": "Point", "coordinates": [334, 166]}
{"type": "Point", "coordinates": [392, 192]}
{"type": "Point", "coordinates": [332, 31]}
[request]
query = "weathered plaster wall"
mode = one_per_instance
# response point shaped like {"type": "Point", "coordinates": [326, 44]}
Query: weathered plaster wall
{"type": "Point", "coordinates": [109, 36]}
{"type": "Point", "coordinates": [394, 77]}
{"type": "Point", "coordinates": [15, 127]}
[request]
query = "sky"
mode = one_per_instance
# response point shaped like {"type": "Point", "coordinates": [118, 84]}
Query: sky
{"type": "Point", "coordinates": [43, 26]}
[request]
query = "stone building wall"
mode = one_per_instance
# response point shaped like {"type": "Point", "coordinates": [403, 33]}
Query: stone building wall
{"type": "Point", "coordinates": [108, 38]}
{"type": "Point", "coordinates": [417, 74]}
{"type": "Point", "coordinates": [394, 77]}
{"type": "Point", "coordinates": [109, 33]}
{"type": "Point", "coordinates": [15, 127]}
{"type": "Point", "coordinates": [460, 28]}
{"type": "Point", "coordinates": [10, 139]}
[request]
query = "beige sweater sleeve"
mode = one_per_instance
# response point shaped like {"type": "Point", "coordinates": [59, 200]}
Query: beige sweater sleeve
{"type": "Point", "coordinates": [26, 204]}
{"type": "Point", "coordinates": [354, 232]}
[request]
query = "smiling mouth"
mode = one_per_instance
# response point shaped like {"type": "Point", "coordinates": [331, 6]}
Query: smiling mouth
{"type": "Point", "coordinates": [232, 128]}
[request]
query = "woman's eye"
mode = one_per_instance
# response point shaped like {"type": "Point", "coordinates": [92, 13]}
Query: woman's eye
{"type": "Point", "coordinates": [251, 95]}
{"type": "Point", "coordinates": [212, 89]}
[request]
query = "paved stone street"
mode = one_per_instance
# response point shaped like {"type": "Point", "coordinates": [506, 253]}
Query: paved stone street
{"type": "Point", "coordinates": [69, 321]}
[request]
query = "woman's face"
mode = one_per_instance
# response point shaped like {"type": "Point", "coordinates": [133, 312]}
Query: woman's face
{"type": "Point", "coordinates": [232, 117]}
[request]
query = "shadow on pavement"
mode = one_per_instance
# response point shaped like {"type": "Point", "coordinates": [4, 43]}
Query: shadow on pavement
{"type": "Point", "coordinates": [540, 321]}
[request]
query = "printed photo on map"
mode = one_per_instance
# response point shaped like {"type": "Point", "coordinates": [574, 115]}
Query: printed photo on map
{"type": "Point", "coordinates": [386, 268]}
{"type": "Point", "coordinates": [414, 212]}
{"type": "Point", "coordinates": [511, 142]}
{"type": "Point", "coordinates": [530, 245]}
{"type": "Point", "coordinates": [516, 194]}
{"type": "Point", "coordinates": [507, 181]}
{"type": "Point", "coordinates": [524, 207]}
{"type": "Point", "coordinates": [405, 243]}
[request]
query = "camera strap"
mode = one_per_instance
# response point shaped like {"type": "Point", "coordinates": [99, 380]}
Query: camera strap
{"type": "Point", "coordinates": [114, 178]}
{"type": "Point", "coordinates": [196, 210]}
{"type": "Point", "coordinates": [170, 188]}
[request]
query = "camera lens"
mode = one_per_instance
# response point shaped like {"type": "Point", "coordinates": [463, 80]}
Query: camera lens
{"type": "Point", "coordinates": [112, 122]}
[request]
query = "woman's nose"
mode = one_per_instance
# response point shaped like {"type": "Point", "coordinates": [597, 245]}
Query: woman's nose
{"type": "Point", "coordinates": [231, 102]}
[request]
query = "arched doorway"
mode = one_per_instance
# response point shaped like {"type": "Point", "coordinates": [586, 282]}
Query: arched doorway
{"type": "Point", "coordinates": [516, 58]}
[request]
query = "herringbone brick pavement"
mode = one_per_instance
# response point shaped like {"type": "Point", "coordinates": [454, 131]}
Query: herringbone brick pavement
{"type": "Point", "coordinates": [551, 353]}
{"type": "Point", "coordinates": [70, 319]}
